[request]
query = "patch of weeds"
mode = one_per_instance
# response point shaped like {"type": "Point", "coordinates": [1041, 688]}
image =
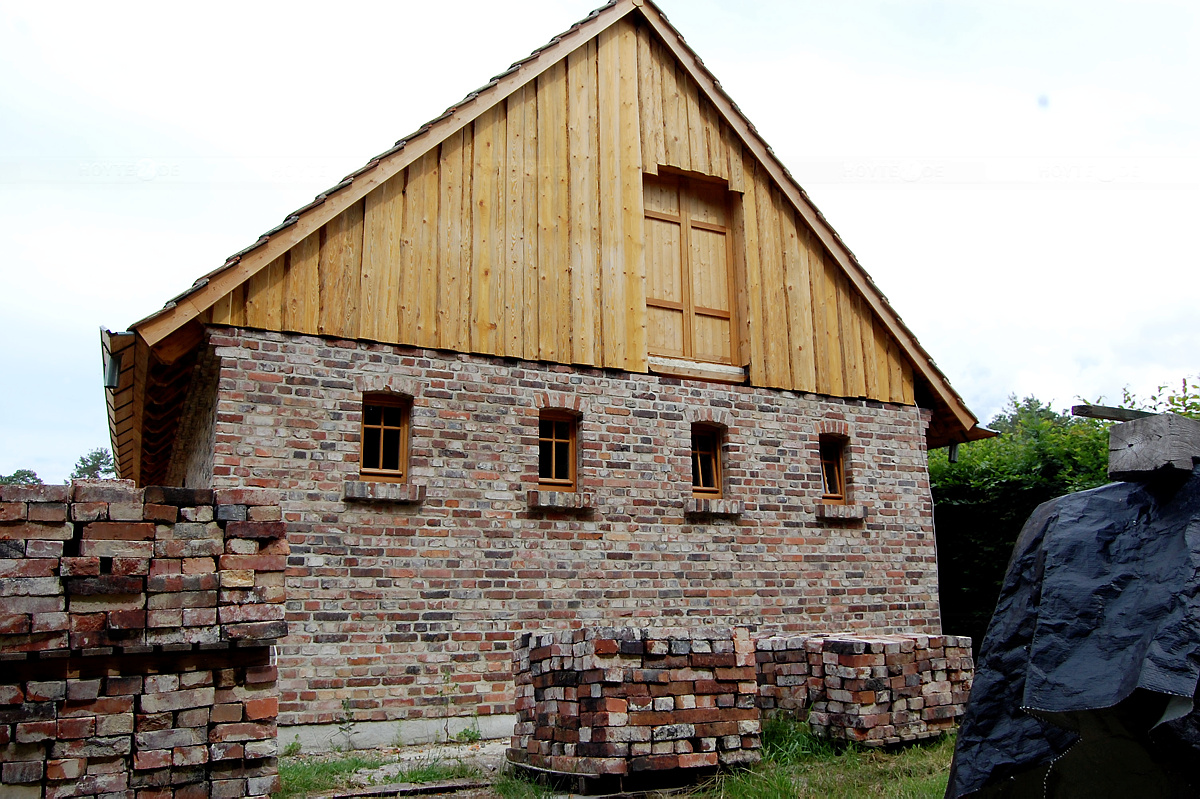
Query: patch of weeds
{"type": "Point", "coordinates": [293, 748]}
{"type": "Point", "coordinates": [300, 776]}
{"type": "Point", "coordinates": [513, 784]}
{"type": "Point", "coordinates": [469, 735]}
{"type": "Point", "coordinates": [796, 765]}
{"type": "Point", "coordinates": [345, 724]}
{"type": "Point", "coordinates": [439, 771]}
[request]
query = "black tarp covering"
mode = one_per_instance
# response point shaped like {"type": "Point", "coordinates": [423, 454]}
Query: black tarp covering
{"type": "Point", "coordinates": [1095, 643]}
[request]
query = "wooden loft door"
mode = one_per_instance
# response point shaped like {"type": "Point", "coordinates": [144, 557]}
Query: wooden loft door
{"type": "Point", "coordinates": [689, 300]}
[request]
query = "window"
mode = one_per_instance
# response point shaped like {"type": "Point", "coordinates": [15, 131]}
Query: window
{"type": "Point", "coordinates": [556, 451]}
{"type": "Point", "coordinates": [706, 461]}
{"type": "Point", "coordinates": [833, 469]}
{"type": "Point", "coordinates": [384, 438]}
{"type": "Point", "coordinates": [689, 305]}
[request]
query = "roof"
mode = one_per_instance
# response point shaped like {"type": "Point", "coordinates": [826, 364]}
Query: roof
{"type": "Point", "coordinates": [168, 336]}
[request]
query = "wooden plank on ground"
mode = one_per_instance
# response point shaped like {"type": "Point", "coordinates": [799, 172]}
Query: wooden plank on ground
{"type": "Point", "coordinates": [583, 144]}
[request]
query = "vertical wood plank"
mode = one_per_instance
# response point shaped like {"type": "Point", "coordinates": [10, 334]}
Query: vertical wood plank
{"type": "Point", "coordinates": [553, 261]}
{"type": "Point", "coordinates": [866, 332]}
{"type": "Point", "coordinates": [487, 301]}
{"type": "Point", "coordinates": [883, 390]}
{"type": "Point", "coordinates": [799, 301]}
{"type": "Point", "coordinates": [733, 150]}
{"type": "Point", "coordinates": [340, 268]}
{"type": "Point", "coordinates": [895, 372]}
{"type": "Point", "coordinates": [427, 256]}
{"type": "Point", "coordinates": [650, 102]}
{"type": "Point", "coordinates": [513, 326]}
{"type": "Point", "coordinates": [697, 146]}
{"type": "Point", "coordinates": [631, 202]}
{"type": "Point", "coordinates": [583, 143]}
{"type": "Point", "coordinates": [837, 380]}
{"type": "Point", "coordinates": [612, 235]}
{"type": "Point", "coordinates": [453, 287]}
{"type": "Point", "coordinates": [383, 219]}
{"type": "Point", "coordinates": [821, 338]}
{"type": "Point", "coordinates": [256, 298]}
{"type": "Point", "coordinates": [750, 246]}
{"type": "Point", "coordinates": [908, 388]}
{"type": "Point", "coordinates": [530, 339]}
{"type": "Point", "coordinates": [713, 140]}
{"type": "Point", "coordinates": [778, 368]}
{"type": "Point", "coordinates": [851, 338]}
{"type": "Point", "coordinates": [302, 286]}
{"type": "Point", "coordinates": [675, 138]}
{"type": "Point", "coordinates": [221, 310]}
{"type": "Point", "coordinates": [237, 306]}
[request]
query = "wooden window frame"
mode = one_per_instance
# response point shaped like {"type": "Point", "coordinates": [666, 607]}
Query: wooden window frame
{"type": "Point", "coordinates": [571, 482]}
{"type": "Point", "coordinates": [688, 307]}
{"type": "Point", "coordinates": [716, 435]}
{"type": "Point", "coordinates": [377, 473]}
{"type": "Point", "coordinates": [832, 450]}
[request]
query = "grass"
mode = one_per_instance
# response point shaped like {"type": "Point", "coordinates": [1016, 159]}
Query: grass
{"type": "Point", "coordinates": [301, 775]}
{"type": "Point", "coordinates": [798, 765]}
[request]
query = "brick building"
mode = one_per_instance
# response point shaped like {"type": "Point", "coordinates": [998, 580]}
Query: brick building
{"type": "Point", "coordinates": [578, 351]}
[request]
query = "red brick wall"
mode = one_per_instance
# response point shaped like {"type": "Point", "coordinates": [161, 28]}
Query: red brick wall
{"type": "Point", "coordinates": [135, 635]}
{"type": "Point", "coordinates": [411, 609]}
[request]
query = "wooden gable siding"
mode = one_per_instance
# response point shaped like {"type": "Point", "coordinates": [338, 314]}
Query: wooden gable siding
{"type": "Point", "coordinates": [522, 235]}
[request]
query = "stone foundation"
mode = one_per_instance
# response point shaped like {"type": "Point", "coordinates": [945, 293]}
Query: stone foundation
{"type": "Point", "coordinates": [874, 690]}
{"type": "Point", "coordinates": [135, 640]}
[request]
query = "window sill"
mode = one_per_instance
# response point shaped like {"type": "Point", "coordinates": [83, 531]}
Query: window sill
{"type": "Point", "coordinates": [376, 491]}
{"type": "Point", "coordinates": [560, 500]}
{"type": "Point", "coordinates": [702, 506]}
{"type": "Point", "coordinates": [848, 512]}
{"type": "Point", "coordinates": [697, 370]}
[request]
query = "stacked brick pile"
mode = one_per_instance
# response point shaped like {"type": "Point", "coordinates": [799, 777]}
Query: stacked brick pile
{"type": "Point", "coordinates": [875, 690]}
{"type": "Point", "coordinates": [135, 634]}
{"type": "Point", "coordinates": [620, 701]}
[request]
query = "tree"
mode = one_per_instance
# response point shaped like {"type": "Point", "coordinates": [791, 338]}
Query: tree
{"type": "Point", "coordinates": [20, 477]}
{"type": "Point", "coordinates": [981, 502]}
{"type": "Point", "coordinates": [96, 464]}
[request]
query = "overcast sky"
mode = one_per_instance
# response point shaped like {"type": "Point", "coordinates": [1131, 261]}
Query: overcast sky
{"type": "Point", "coordinates": [1020, 178]}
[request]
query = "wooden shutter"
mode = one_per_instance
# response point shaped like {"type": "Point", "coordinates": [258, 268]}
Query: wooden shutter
{"type": "Point", "coordinates": [688, 288]}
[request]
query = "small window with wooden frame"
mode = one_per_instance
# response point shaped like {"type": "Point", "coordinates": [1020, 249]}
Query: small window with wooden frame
{"type": "Point", "coordinates": [558, 433]}
{"type": "Point", "coordinates": [706, 461]}
{"type": "Point", "coordinates": [385, 432]}
{"type": "Point", "coordinates": [689, 284]}
{"type": "Point", "coordinates": [833, 468]}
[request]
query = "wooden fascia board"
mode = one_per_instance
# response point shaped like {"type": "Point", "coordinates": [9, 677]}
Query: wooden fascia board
{"type": "Point", "coordinates": [155, 328]}
{"type": "Point", "coordinates": [815, 221]}
{"type": "Point", "coordinates": [119, 399]}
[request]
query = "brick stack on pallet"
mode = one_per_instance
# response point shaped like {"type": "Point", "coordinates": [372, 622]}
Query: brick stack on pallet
{"type": "Point", "coordinates": [873, 690]}
{"type": "Point", "coordinates": [622, 701]}
{"type": "Point", "coordinates": [135, 634]}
